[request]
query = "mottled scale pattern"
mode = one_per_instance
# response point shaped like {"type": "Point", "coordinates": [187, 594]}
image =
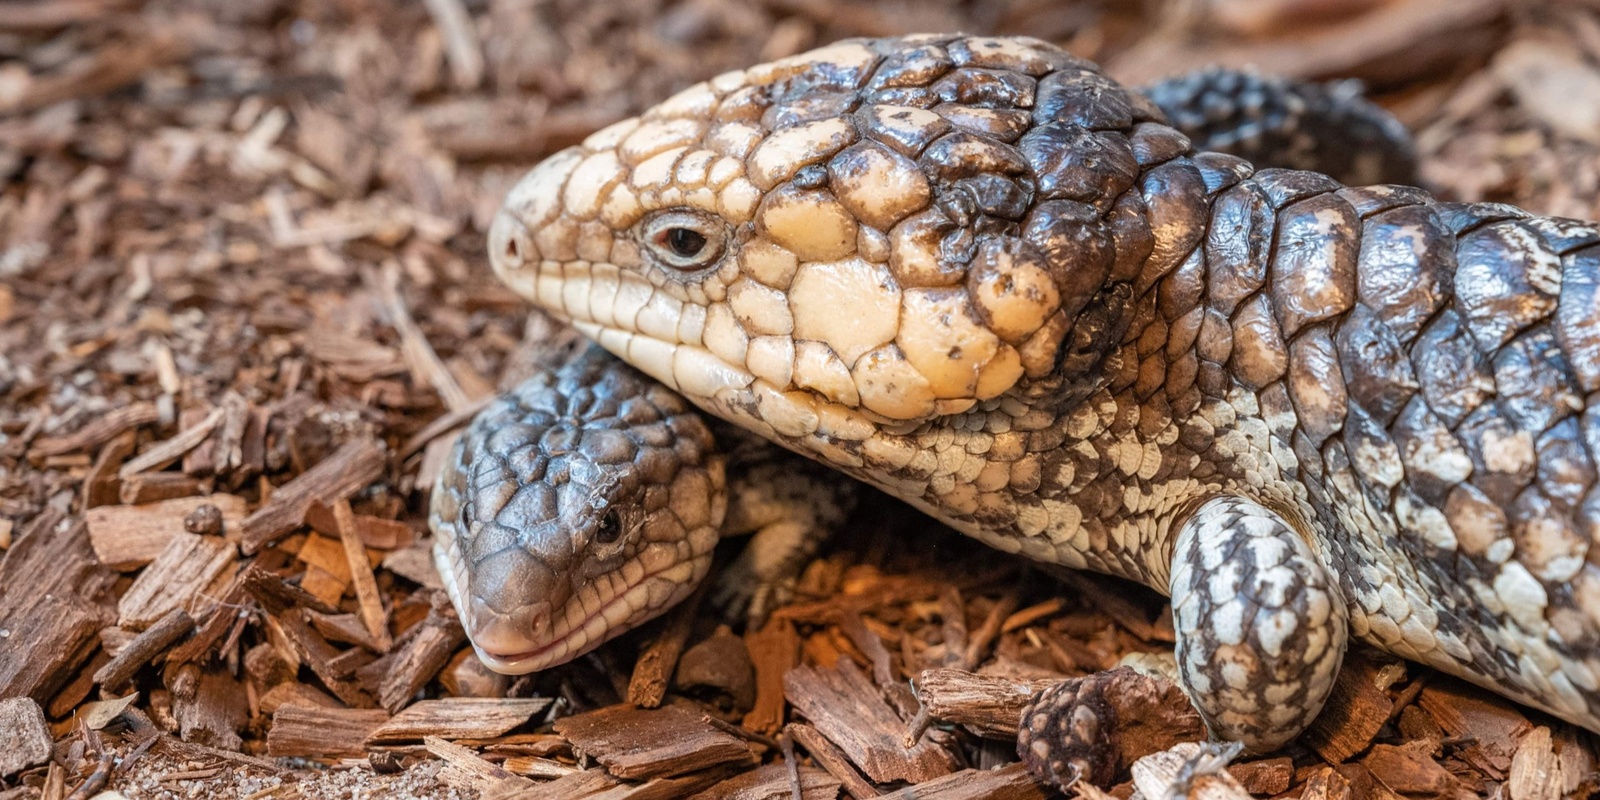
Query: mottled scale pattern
{"type": "Point", "coordinates": [1261, 626]}
{"type": "Point", "coordinates": [575, 507]}
{"type": "Point", "coordinates": [981, 275]}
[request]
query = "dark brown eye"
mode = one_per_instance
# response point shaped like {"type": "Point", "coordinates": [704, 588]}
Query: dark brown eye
{"type": "Point", "coordinates": [684, 239]}
{"type": "Point", "coordinates": [685, 242]}
{"type": "Point", "coordinates": [610, 527]}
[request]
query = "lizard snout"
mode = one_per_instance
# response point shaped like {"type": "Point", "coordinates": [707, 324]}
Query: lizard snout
{"type": "Point", "coordinates": [509, 633]}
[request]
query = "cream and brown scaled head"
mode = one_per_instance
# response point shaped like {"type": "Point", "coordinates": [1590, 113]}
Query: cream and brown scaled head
{"type": "Point", "coordinates": [878, 232]}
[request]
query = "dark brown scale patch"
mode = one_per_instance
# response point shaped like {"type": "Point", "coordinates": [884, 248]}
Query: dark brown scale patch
{"type": "Point", "coordinates": [1175, 196]}
{"type": "Point", "coordinates": [897, 128]}
{"type": "Point", "coordinates": [1221, 171]}
{"type": "Point", "coordinates": [1259, 355]}
{"type": "Point", "coordinates": [1530, 375]}
{"type": "Point", "coordinates": [1084, 98]}
{"type": "Point", "coordinates": [1288, 186]}
{"type": "Point", "coordinates": [1423, 439]}
{"type": "Point", "coordinates": [1495, 287]}
{"type": "Point", "coordinates": [1179, 296]}
{"type": "Point", "coordinates": [1407, 260]}
{"type": "Point", "coordinates": [1370, 200]}
{"type": "Point", "coordinates": [1128, 227]}
{"type": "Point", "coordinates": [994, 196]}
{"type": "Point", "coordinates": [913, 96]}
{"type": "Point", "coordinates": [1005, 125]}
{"type": "Point", "coordinates": [1237, 245]}
{"type": "Point", "coordinates": [1376, 367]}
{"type": "Point", "coordinates": [1453, 375]}
{"type": "Point", "coordinates": [986, 88]}
{"type": "Point", "coordinates": [1153, 143]}
{"type": "Point", "coordinates": [787, 112]}
{"type": "Point", "coordinates": [1579, 307]}
{"type": "Point", "coordinates": [1078, 247]}
{"type": "Point", "coordinates": [1464, 218]}
{"type": "Point", "coordinates": [1313, 275]}
{"type": "Point", "coordinates": [1566, 469]}
{"type": "Point", "coordinates": [1076, 164]}
{"type": "Point", "coordinates": [961, 154]}
{"type": "Point", "coordinates": [1315, 384]}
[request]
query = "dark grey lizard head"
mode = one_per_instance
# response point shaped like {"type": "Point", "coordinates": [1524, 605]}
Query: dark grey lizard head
{"type": "Point", "coordinates": [577, 506]}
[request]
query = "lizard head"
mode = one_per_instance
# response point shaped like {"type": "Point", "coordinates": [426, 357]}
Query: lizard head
{"type": "Point", "coordinates": [877, 233]}
{"type": "Point", "coordinates": [579, 505]}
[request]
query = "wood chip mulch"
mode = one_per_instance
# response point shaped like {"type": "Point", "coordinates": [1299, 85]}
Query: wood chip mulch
{"type": "Point", "coordinates": [244, 308]}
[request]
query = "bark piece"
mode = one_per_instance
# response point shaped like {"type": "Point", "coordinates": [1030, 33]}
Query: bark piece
{"type": "Point", "coordinates": [636, 744]}
{"type": "Point", "coordinates": [24, 736]}
{"type": "Point", "coordinates": [458, 718]}
{"type": "Point", "coordinates": [156, 487]}
{"type": "Point", "coordinates": [318, 732]}
{"type": "Point", "coordinates": [773, 782]}
{"type": "Point", "coordinates": [774, 650]}
{"type": "Point", "coordinates": [224, 616]}
{"type": "Point", "coordinates": [315, 652]}
{"type": "Point", "coordinates": [347, 628]}
{"type": "Point", "coordinates": [367, 598]}
{"type": "Point", "coordinates": [53, 606]}
{"type": "Point", "coordinates": [170, 450]}
{"type": "Point", "coordinates": [1493, 725]}
{"type": "Point", "coordinates": [1011, 782]}
{"type": "Point", "coordinates": [327, 575]}
{"type": "Point", "coordinates": [186, 567]}
{"type": "Point", "coordinates": [844, 707]}
{"type": "Point", "coordinates": [415, 564]}
{"type": "Point", "coordinates": [1356, 710]}
{"type": "Point", "coordinates": [987, 706]}
{"type": "Point", "coordinates": [719, 664]}
{"type": "Point", "coordinates": [833, 760]}
{"type": "Point", "coordinates": [291, 693]}
{"type": "Point", "coordinates": [1267, 777]}
{"type": "Point", "coordinates": [657, 660]}
{"type": "Point", "coordinates": [538, 767]}
{"type": "Point", "coordinates": [1190, 770]}
{"type": "Point", "coordinates": [215, 711]}
{"type": "Point", "coordinates": [375, 532]}
{"type": "Point", "coordinates": [154, 641]}
{"type": "Point", "coordinates": [1409, 768]}
{"type": "Point", "coordinates": [126, 537]}
{"type": "Point", "coordinates": [347, 470]}
{"type": "Point", "coordinates": [465, 769]}
{"type": "Point", "coordinates": [100, 430]}
{"type": "Point", "coordinates": [424, 653]}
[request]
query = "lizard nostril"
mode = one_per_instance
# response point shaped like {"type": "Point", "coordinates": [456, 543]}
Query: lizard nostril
{"type": "Point", "coordinates": [510, 243]}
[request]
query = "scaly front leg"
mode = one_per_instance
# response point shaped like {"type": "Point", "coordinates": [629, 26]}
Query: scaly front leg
{"type": "Point", "coordinates": [1261, 625]}
{"type": "Point", "coordinates": [791, 507]}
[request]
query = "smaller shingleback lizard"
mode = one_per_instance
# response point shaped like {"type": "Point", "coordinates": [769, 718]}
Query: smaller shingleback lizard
{"type": "Point", "coordinates": [978, 274]}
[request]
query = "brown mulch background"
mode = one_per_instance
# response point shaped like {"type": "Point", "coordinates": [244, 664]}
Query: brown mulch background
{"type": "Point", "coordinates": [239, 240]}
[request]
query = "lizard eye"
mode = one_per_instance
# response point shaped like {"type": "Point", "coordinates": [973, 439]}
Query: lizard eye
{"type": "Point", "coordinates": [610, 527]}
{"type": "Point", "coordinates": [685, 240]}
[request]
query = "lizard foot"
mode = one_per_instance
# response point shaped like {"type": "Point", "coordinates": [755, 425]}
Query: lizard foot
{"type": "Point", "coordinates": [1093, 728]}
{"type": "Point", "coordinates": [1261, 625]}
{"type": "Point", "coordinates": [764, 576]}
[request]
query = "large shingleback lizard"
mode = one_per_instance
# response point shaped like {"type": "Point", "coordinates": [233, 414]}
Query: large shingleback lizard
{"type": "Point", "coordinates": [982, 276]}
